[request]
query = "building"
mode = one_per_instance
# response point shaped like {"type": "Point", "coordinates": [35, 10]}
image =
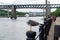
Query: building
{"type": "Point", "coordinates": [36, 13]}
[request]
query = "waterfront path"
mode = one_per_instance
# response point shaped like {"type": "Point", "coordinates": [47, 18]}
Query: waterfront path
{"type": "Point", "coordinates": [51, 33]}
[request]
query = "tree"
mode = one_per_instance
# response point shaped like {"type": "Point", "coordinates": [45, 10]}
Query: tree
{"type": "Point", "coordinates": [4, 13]}
{"type": "Point", "coordinates": [56, 13]}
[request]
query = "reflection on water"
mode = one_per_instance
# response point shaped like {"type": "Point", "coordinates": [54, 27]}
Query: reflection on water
{"type": "Point", "coordinates": [15, 29]}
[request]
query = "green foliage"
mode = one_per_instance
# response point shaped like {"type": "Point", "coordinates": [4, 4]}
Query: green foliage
{"type": "Point", "coordinates": [56, 13]}
{"type": "Point", "coordinates": [5, 13]}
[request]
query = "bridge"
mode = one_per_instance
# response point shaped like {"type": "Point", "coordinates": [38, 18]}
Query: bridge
{"type": "Point", "coordinates": [41, 6]}
{"type": "Point", "coordinates": [35, 6]}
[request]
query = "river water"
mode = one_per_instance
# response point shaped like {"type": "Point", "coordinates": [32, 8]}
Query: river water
{"type": "Point", "coordinates": [16, 29]}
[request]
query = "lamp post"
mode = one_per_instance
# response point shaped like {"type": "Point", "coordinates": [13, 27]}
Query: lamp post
{"type": "Point", "coordinates": [46, 9]}
{"type": "Point", "coordinates": [49, 9]}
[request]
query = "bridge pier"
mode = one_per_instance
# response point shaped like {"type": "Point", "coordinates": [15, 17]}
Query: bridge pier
{"type": "Point", "coordinates": [13, 12]}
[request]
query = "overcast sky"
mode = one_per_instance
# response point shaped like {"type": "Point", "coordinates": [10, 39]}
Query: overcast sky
{"type": "Point", "coordinates": [28, 2]}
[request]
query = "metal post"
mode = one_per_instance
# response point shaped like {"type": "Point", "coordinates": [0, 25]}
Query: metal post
{"type": "Point", "coordinates": [49, 10]}
{"type": "Point", "coordinates": [46, 10]}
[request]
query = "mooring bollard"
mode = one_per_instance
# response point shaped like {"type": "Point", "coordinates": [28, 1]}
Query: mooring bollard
{"type": "Point", "coordinates": [31, 35]}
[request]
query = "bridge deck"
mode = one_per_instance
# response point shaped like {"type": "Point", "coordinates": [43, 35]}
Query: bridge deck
{"type": "Point", "coordinates": [51, 33]}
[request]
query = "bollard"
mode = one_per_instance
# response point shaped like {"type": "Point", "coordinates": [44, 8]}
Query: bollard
{"type": "Point", "coordinates": [31, 35]}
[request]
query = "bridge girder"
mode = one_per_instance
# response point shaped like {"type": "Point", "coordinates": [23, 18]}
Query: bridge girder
{"type": "Point", "coordinates": [38, 6]}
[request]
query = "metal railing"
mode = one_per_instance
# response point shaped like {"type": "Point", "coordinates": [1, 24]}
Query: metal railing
{"type": "Point", "coordinates": [43, 30]}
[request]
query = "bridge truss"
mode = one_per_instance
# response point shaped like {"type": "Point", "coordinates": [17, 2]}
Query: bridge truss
{"type": "Point", "coordinates": [41, 6]}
